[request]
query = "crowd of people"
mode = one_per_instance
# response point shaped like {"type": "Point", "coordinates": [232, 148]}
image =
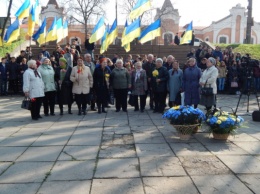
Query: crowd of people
{"type": "Point", "coordinates": [68, 75]}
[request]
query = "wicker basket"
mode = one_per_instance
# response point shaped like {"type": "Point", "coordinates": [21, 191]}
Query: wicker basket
{"type": "Point", "coordinates": [185, 131]}
{"type": "Point", "coordinates": [220, 136]}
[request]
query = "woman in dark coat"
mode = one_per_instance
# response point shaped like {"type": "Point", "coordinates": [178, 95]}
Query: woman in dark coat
{"type": "Point", "coordinates": [191, 86]}
{"type": "Point", "coordinates": [64, 92]}
{"type": "Point", "coordinates": [101, 85]}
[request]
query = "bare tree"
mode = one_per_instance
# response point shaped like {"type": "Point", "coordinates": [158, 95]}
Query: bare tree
{"type": "Point", "coordinates": [7, 18]}
{"type": "Point", "coordinates": [82, 11]}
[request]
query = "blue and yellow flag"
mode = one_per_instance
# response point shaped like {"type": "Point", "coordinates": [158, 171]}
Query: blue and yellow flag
{"type": "Point", "coordinates": [65, 29]}
{"type": "Point", "coordinates": [40, 35]}
{"type": "Point", "coordinates": [140, 7]}
{"type": "Point", "coordinates": [151, 32]}
{"type": "Point", "coordinates": [98, 31]}
{"type": "Point", "coordinates": [24, 10]}
{"type": "Point", "coordinates": [127, 46]}
{"type": "Point", "coordinates": [132, 31]}
{"type": "Point", "coordinates": [59, 30]}
{"type": "Point", "coordinates": [52, 31]}
{"type": "Point", "coordinates": [186, 39]}
{"type": "Point", "coordinates": [13, 32]}
{"type": "Point", "coordinates": [113, 33]}
{"type": "Point", "coordinates": [104, 46]}
{"type": "Point", "coordinates": [1, 41]}
{"type": "Point", "coordinates": [37, 11]}
{"type": "Point", "coordinates": [31, 21]}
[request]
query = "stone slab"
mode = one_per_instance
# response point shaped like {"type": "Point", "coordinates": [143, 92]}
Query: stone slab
{"type": "Point", "coordinates": [41, 154]}
{"type": "Point", "coordinates": [150, 138]}
{"type": "Point", "coordinates": [84, 140]}
{"type": "Point", "coordinates": [143, 129]}
{"type": "Point", "coordinates": [242, 163]}
{"type": "Point", "coordinates": [117, 168]}
{"type": "Point", "coordinates": [161, 166]}
{"type": "Point", "coordinates": [141, 122]}
{"type": "Point", "coordinates": [72, 170]}
{"type": "Point", "coordinates": [220, 184]}
{"type": "Point", "coordinates": [242, 137]}
{"type": "Point", "coordinates": [11, 153]}
{"type": "Point", "coordinates": [28, 188]}
{"type": "Point", "coordinates": [167, 185]}
{"type": "Point", "coordinates": [117, 130]}
{"type": "Point", "coordinates": [114, 139]}
{"type": "Point", "coordinates": [117, 151]}
{"type": "Point", "coordinates": [154, 150]}
{"type": "Point", "coordinates": [26, 172]}
{"type": "Point", "coordinates": [51, 140]}
{"type": "Point", "coordinates": [251, 181]}
{"type": "Point", "coordinates": [203, 165]}
{"type": "Point", "coordinates": [188, 149]}
{"type": "Point", "coordinates": [116, 186]}
{"type": "Point", "coordinates": [225, 149]}
{"type": "Point", "coordinates": [18, 141]}
{"type": "Point", "coordinates": [250, 147]}
{"type": "Point", "coordinates": [65, 187]}
{"type": "Point", "coordinates": [88, 131]}
{"type": "Point", "coordinates": [4, 166]}
{"type": "Point", "coordinates": [79, 153]}
{"type": "Point", "coordinates": [92, 123]}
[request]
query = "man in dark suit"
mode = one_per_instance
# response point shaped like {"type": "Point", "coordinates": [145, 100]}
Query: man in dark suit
{"type": "Point", "coordinates": [3, 77]}
{"type": "Point", "coordinates": [89, 47]}
{"type": "Point", "coordinates": [176, 39]}
{"type": "Point", "coordinates": [149, 67]}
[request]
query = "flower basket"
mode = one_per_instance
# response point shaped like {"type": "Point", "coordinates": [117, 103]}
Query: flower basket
{"type": "Point", "coordinates": [222, 123]}
{"type": "Point", "coordinates": [185, 131]}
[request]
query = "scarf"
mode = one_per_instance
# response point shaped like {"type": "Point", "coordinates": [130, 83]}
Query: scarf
{"type": "Point", "coordinates": [63, 71]}
{"type": "Point", "coordinates": [138, 74]}
{"type": "Point", "coordinates": [174, 70]}
{"type": "Point", "coordinates": [35, 72]}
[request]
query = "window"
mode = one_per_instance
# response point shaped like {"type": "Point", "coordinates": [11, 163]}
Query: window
{"type": "Point", "coordinates": [223, 39]}
{"type": "Point", "coordinates": [207, 39]}
{"type": "Point", "coordinates": [167, 39]}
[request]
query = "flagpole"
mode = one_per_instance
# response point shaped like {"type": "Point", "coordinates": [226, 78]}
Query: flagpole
{"type": "Point", "coordinates": [116, 10]}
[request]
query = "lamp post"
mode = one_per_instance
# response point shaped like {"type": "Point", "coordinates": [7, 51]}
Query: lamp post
{"type": "Point", "coordinates": [250, 22]}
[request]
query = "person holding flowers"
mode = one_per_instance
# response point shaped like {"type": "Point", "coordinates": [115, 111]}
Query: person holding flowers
{"type": "Point", "coordinates": [62, 78]}
{"type": "Point", "coordinates": [159, 85]}
{"type": "Point", "coordinates": [82, 82]}
{"type": "Point", "coordinates": [101, 78]}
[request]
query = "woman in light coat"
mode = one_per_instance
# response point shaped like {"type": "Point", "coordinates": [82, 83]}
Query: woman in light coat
{"type": "Point", "coordinates": [139, 86]}
{"type": "Point", "coordinates": [209, 79]}
{"type": "Point", "coordinates": [33, 87]}
{"type": "Point", "coordinates": [82, 82]}
{"type": "Point", "coordinates": [48, 73]}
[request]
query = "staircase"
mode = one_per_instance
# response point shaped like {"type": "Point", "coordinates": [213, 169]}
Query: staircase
{"type": "Point", "coordinates": [179, 52]}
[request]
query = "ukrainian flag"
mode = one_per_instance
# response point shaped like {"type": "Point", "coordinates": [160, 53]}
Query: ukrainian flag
{"type": "Point", "coordinates": [98, 31]}
{"type": "Point", "coordinates": [52, 31]}
{"type": "Point", "coordinates": [24, 10]}
{"type": "Point", "coordinates": [37, 11]}
{"type": "Point", "coordinates": [113, 33]}
{"type": "Point", "coordinates": [104, 39]}
{"type": "Point", "coordinates": [186, 39]}
{"type": "Point", "coordinates": [65, 29]}
{"type": "Point", "coordinates": [31, 21]}
{"type": "Point", "coordinates": [151, 32]}
{"type": "Point", "coordinates": [13, 32]}
{"type": "Point", "coordinates": [132, 31]}
{"type": "Point", "coordinates": [140, 7]}
{"type": "Point", "coordinates": [127, 46]}
{"type": "Point", "coordinates": [40, 35]}
{"type": "Point", "coordinates": [59, 30]}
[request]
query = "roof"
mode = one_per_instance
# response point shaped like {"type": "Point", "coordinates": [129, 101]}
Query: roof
{"type": "Point", "coordinates": [167, 4]}
{"type": "Point", "coordinates": [53, 2]}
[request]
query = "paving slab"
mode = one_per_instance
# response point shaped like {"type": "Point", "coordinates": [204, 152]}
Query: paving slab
{"type": "Point", "coordinates": [114, 139]}
{"type": "Point", "coordinates": [225, 149]}
{"type": "Point", "coordinates": [203, 165]}
{"type": "Point", "coordinates": [26, 172]}
{"type": "Point", "coordinates": [141, 122]}
{"type": "Point", "coordinates": [188, 149]}
{"type": "Point", "coordinates": [241, 164]}
{"type": "Point", "coordinates": [11, 153]}
{"type": "Point", "coordinates": [65, 187]}
{"type": "Point", "coordinates": [150, 138]}
{"type": "Point", "coordinates": [4, 166]}
{"type": "Point", "coordinates": [154, 150]}
{"type": "Point", "coordinates": [117, 130]}
{"type": "Point", "coordinates": [28, 188]}
{"type": "Point", "coordinates": [250, 147]}
{"type": "Point", "coordinates": [79, 153]}
{"type": "Point", "coordinates": [161, 166]}
{"type": "Point", "coordinates": [143, 129]}
{"type": "Point", "coordinates": [30, 131]}
{"type": "Point", "coordinates": [84, 140]}
{"type": "Point", "coordinates": [167, 185]}
{"type": "Point", "coordinates": [117, 151]}
{"type": "Point", "coordinates": [216, 184]}
{"type": "Point", "coordinates": [117, 186]}
{"type": "Point", "coordinates": [45, 123]}
{"type": "Point", "coordinates": [41, 154]}
{"type": "Point", "coordinates": [242, 137]}
{"type": "Point", "coordinates": [7, 131]}
{"type": "Point", "coordinates": [72, 170]}
{"type": "Point", "coordinates": [88, 131]}
{"type": "Point", "coordinates": [51, 140]}
{"type": "Point", "coordinates": [92, 123]}
{"type": "Point", "coordinates": [251, 181]}
{"type": "Point", "coordinates": [173, 137]}
{"type": "Point", "coordinates": [117, 168]}
{"type": "Point", "coordinates": [116, 122]}
{"type": "Point", "coordinates": [19, 141]}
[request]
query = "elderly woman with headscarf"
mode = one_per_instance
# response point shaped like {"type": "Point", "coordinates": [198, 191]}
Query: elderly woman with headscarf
{"type": "Point", "coordinates": [33, 87]}
{"type": "Point", "coordinates": [82, 82]}
{"type": "Point", "coordinates": [47, 73]}
{"type": "Point", "coordinates": [139, 86]}
{"type": "Point", "coordinates": [209, 79]}
{"type": "Point", "coordinates": [120, 81]}
{"type": "Point", "coordinates": [62, 78]}
{"type": "Point", "coordinates": [101, 84]}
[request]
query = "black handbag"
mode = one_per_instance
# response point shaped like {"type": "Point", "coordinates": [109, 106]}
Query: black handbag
{"type": "Point", "coordinates": [131, 100]}
{"type": "Point", "coordinates": [26, 103]}
{"type": "Point", "coordinates": [111, 99]}
{"type": "Point", "coordinates": [178, 98]}
{"type": "Point", "coordinates": [206, 91]}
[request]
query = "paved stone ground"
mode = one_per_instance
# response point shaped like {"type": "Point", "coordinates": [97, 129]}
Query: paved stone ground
{"type": "Point", "coordinates": [118, 153]}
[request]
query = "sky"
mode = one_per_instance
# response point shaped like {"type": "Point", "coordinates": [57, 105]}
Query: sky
{"type": "Point", "coordinates": [201, 12]}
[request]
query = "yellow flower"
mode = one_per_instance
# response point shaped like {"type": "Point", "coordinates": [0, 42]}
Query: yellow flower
{"type": "Point", "coordinates": [219, 122]}
{"type": "Point", "coordinates": [107, 75]}
{"type": "Point", "coordinates": [155, 73]}
{"type": "Point", "coordinates": [176, 107]}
